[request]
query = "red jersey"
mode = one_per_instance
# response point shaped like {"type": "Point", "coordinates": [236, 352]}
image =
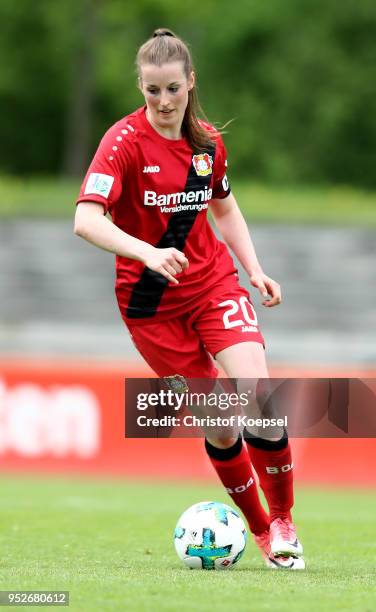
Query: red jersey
{"type": "Point", "coordinates": [158, 190]}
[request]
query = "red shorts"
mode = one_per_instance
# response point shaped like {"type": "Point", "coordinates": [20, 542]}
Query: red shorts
{"type": "Point", "coordinates": [184, 345]}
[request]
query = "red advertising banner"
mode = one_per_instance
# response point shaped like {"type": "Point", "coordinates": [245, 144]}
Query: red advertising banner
{"type": "Point", "coordinates": [61, 416]}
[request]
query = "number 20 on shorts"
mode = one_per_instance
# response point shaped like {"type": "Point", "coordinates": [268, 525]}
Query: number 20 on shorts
{"type": "Point", "coordinates": [243, 308]}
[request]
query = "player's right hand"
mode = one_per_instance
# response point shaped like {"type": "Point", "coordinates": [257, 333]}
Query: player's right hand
{"type": "Point", "coordinates": [167, 262]}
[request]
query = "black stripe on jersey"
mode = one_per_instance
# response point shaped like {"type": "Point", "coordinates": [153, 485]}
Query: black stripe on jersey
{"type": "Point", "coordinates": [147, 292]}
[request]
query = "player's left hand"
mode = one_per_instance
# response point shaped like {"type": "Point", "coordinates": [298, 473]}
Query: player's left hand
{"type": "Point", "coordinates": [267, 287]}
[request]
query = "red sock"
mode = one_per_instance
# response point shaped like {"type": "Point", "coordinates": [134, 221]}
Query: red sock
{"type": "Point", "coordinates": [273, 464]}
{"type": "Point", "coordinates": [234, 468]}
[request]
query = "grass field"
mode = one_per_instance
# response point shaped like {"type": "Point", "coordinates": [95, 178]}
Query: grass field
{"type": "Point", "coordinates": [51, 198]}
{"type": "Point", "coordinates": [110, 544]}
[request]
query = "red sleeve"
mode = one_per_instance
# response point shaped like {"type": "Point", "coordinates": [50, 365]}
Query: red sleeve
{"type": "Point", "coordinates": [221, 187]}
{"type": "Point", "coordinates": [104, 179]}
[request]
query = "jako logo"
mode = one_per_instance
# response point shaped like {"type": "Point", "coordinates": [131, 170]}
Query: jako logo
{"type": "Point", "coordinates": [151, 169]}
{"type": "Point", "coordinates": [58, 421]}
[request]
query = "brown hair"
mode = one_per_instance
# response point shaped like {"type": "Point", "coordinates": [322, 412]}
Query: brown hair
{"type": "Point", "coordinates": [165, 47]}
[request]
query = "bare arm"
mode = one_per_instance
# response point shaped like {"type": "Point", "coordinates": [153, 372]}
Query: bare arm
{"type": "Point", "coordinates": [233, 229]}
{"type": "Point", "coordinates": [92, 225]}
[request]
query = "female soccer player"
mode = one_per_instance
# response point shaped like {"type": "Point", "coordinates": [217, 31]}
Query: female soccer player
{"type": "Point", "coordinates": [156, 171]}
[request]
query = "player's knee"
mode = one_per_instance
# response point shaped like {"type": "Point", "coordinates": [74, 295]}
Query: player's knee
{"type": "Point", "coordinates": [227, 442]}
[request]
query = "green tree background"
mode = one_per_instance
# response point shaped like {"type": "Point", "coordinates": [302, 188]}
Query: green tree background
{"type": "Point", "coordinates": [297, 77]}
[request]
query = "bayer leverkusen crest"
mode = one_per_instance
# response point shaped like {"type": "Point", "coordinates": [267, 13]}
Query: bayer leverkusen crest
{"type": "Point", "coordinates": [203, 164]}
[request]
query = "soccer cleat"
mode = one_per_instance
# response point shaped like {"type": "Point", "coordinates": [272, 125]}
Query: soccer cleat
{"type": "Point", "coordinates": [283, 539]}
{"type": "Point", "coordinates": [273, 562]}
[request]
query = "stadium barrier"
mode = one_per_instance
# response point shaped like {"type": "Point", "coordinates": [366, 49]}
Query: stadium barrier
{"type": "Point", "coordinates": [68, 417]}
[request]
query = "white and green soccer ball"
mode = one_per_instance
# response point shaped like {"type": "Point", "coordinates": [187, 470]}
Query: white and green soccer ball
{"type": "Point", "coordinates": [210, 535]}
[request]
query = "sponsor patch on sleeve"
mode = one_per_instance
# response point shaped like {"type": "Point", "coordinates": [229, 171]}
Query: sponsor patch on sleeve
{"type": "Point", "coordinates": [99, 184]}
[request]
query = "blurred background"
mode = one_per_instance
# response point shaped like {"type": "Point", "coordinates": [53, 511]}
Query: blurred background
{"type": "Point", "coordinates": [298, 82]}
